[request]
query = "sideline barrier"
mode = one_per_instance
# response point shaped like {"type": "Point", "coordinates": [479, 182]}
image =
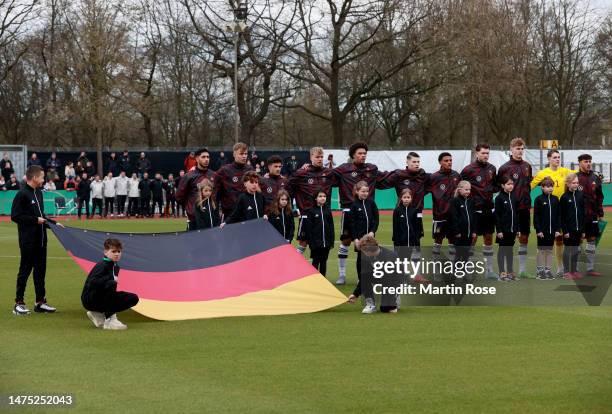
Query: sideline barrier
{"type": "Point", "coordinates": [385, 200]}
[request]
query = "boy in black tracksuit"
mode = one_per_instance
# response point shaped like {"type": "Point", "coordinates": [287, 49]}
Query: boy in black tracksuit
{"type": "Point", "coordinates": [251, 204]}
{"type": "Point", "coordinates": [507, 226]}
{"type": "Point", "coordinates": [318, 227]}
{"type": "Point", "coordinates": [362, 219]}
{"type": "Point", "coordinates": [547, 227]}
{"type": "Point", "coordinates": [463, 223]}
{"type": "Point", "coordinates": [28, 211]}
{"type": "Point", "coordinates": [572, 213]}
{"type": "Point", "coordinates": [100, 296]}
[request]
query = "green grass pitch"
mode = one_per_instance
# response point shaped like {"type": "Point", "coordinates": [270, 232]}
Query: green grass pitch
{"type": "Point", "coordinates": [421, 360]}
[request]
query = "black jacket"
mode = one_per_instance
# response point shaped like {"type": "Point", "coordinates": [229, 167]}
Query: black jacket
{"type": "Point", "coordinates": [546, 214]}
{"type": "Point", "coordinates": [83, 189]}
{"type": "Point", "coordinates": [407, 226]}
{"type": "Point", "coordinates": [206, 216]}
{"type": "Point", "coordinates": [283, 223]}
{"type": "Point", "coordinates": [100, 283]}
{"type": "Point", "coordinates": [157, 188]}
{"type": "Point", "coordinates": [248, 207]}
{"type": "Point", "coordinates": [362, 218]}
{"type": "Point", "coordinates": [571, 208]}
{"type": "Point", "coordinates": [462, 217]}
{"type": "Point", "coordinates": [27, 207]}
{"type": "Point", "coordinates": [145, 188]}
{"type": "Point", "coordinates": [506, 213]}
{"type": "Point", "coordinates": [318, 225]}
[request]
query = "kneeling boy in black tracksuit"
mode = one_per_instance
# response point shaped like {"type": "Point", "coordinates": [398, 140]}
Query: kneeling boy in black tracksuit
{"type": "Point", "coordinates": [100, 296]}
{"type": "Point", "coordinates": [547, 227]}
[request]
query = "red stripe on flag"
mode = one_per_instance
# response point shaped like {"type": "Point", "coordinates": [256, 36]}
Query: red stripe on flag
{"type": "Point", "coordinates": [262, 271]}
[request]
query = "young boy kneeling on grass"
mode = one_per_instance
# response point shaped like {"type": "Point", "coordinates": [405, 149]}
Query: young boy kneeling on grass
{"type": "Point", "coordinates": [100, 296]}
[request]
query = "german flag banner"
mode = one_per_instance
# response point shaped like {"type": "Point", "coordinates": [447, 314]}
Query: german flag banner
{"type": "Point", "coordinates": [241, 270]}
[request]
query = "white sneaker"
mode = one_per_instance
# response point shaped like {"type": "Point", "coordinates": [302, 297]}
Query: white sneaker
{"type": "Point", "coordinates": [341, 280]}
{"type": "Point", "coordinates": [44, 307]}
{"type": "Point", "coordinates": [114, 324]}
{"type": "Point", "coordinates": [97, 318]}
{"type": "Point", "coordinates": [20, 309]}
{"type": "Point", "coordinates": [370, 306]}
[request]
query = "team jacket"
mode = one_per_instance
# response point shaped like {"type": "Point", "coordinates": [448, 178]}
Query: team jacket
{"type": "Point", "coordinates": [546, 214]}
{"type": "Point", "coordinates": [96, 189]}
{"type": "Point", "coordinates": [108, 185]}
{"type": "Point", "coordinates": [187, 192]}
{"type": "Point", "coordinates": [305, 183]}
{"type": "Point", "coordinates": [170, 189]}
{"type": "Point", "coordinates": [557, 176]}
{"type": "Point", "coordinates": [416, 181]}
{"type": "Point", "coordinates": [362, 218]}
{"type": "Point", "coordinates": [462, 217]}
{"type": "Point", "coordinates": [506, 213]}
{"type": "Point", "coordinates": [206, 216]}
{"type": "Point", "coordinates": [133, 191]}
{"type": "Point", "coordinates": [521, 174]}
{"type": "Point", "coordinates": [483, 180]}
{"type": "Point", "coordinates": [83, 189]}
{"type": "Point", "coordinates": [407, 226]}
{"type": "Point", "coordinates": [157, 189]}
{"type": "Point", "coordinates": [442, 185]}
{"type": "Point", "coordinates": [271, 185]}
{"type": "Point", "coordinates": [229, 186]}
{"type": "Point", "coordinates": [318, 225]}
{"type": "Point", "coordinates": [145, 188]}
{"type": "Point", "coordinates": [349, 174]}
{"type": "Point", "coordinates": [590, 185]}
{"type": "Point", "coordinates": [121, 185]}
{"type": "Point", "coordinates": [27, 207]}
{"type": "Point", "coordinates": [248, 207]}
{"type": "Point", "coordinates": [100, 283]}
{"type": "Point", "coordinates": [283, 223]}
{"type": "Point", "coordinates": [571, 214]}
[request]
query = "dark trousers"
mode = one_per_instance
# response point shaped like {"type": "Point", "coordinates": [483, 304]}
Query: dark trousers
{"type": "Point", "coordinates": [80, 203]}
{"type": "Point", "coordinates": [145, 206]}
{"type": "Point", "coordinates": [571, 250]}
{"type": "Point", "coordinates": [96, 202]}
{"type": "Point", "coordinates": [170, 205]}
{"type": "Point", "coordinates": [462, 249]}
{"type": "Point", "coordinates": [159, 203]}
{"type": "Point", "coordinates": [319, 259]}
{"type": "Point", "coordinates": [357, 290]}
{"type": "Point", "coordinates": [133, 206]}
{"type": "Point", "coordinates": [32, 258]}
{"type": "Point", "coordinates": [505, 256]}
{"type": "Point", "coordinates": [121, 204]}
{"type": "Point", "coordinates": [113, 303]}
{"type": "Point", "coordinates": [109, 202]}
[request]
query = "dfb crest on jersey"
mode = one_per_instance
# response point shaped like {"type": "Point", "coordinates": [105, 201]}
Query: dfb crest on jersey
{"type": "Point", "coordinates": [580, 188]}
{"type": "Point", "coordinates": [406, 182]}
{"type": "Point", "coordinates": [310, 181]}
{"type": "Point", "coordinates": [490, 173]}
{"type": "Point", "coordinates": [515, 176]}
{"type": "Point", "coordinates": [235, 179]}
{"type": "Point", "coordinates": [442, 186]}
{"type": "Point", "coordinates": [354, 174]}
{"type": "Point", "coordinates": [478, 178]}
{"type": "Point", "coordinates": [269, 190]}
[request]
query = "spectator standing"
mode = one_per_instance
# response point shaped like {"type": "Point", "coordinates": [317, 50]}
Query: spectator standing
{"type": "Point", "coordinates": [33, 160]}
{"type": "Point", "coordinates": [69, 171]}
{"type": "Point", "coordinates": [190, 161]}
{"type": "Point", "coordinates": [143, 165]}
{"type": "Point", "coordinates": [113, 165]}
{"type": "Point", "coordinates": [126, 163]}
{"type": "Point", "coordinates": [83, 189]}
{"type": "Point", "coordinates": [6, 167]}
